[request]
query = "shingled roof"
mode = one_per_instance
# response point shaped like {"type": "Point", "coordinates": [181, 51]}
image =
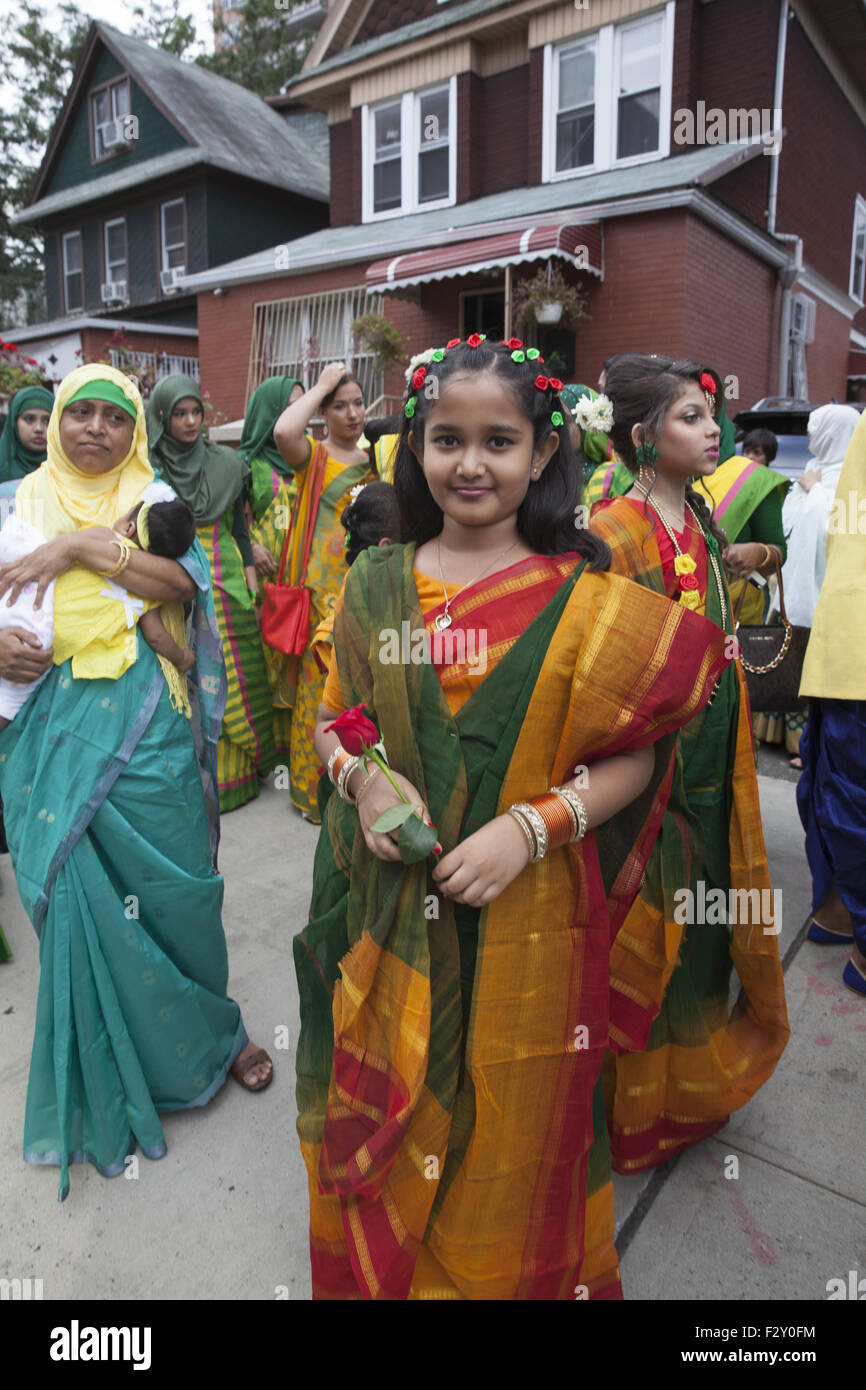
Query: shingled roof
{"type": "Point", "coordinates": [224, 125]}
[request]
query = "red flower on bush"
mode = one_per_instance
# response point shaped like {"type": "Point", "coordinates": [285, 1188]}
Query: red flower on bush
{"type": "Point", "coordinates": [542, 382]}
{"type": "Point", "coordinates": [474, 340]}
{"type": "Point", "coordinates": [31, 362]}
{"type": "Point", "coordinates": [455, 342]}
{"type": "Point", "coordinates": [9, 347]}
{"type": "Point", "coordinates": [355, 730]}
{"type": "Point", "coordinates": [514, 343]}
{"type": "Point", "coordinates": [419, 376]}
{"type": "Point", "coordinates": [689, 581]}
{"type": "Point", "coordinates": [708, 383]}
{"type": "Point", "coordinates": [555, 383]}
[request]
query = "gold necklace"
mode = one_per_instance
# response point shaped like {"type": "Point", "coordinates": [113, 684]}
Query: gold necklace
{"type": "Point", "coordinates": [444, 619]}
{"type": "Point", "coordinates": [688, 597]}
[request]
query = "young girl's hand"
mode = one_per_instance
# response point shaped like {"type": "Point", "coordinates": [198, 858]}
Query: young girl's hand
{"type": "Point", "coordinates": [375, 795]}
{"type": "Point", "coordinates": [484, 864]}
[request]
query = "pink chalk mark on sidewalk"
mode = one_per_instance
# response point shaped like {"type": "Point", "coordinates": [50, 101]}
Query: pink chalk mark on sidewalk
{"type": "Point", "coordinates": [762, 1247]}
{"type": "Point", "coordinates": [823, 1040]}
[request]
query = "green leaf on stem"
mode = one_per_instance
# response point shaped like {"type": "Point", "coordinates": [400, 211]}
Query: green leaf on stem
{"type": "Point", "coordinates": [394, 816]}
{"type": "Point", "coordinates": [416, 840]}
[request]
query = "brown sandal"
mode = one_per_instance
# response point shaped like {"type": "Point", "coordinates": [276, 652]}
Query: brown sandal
{"type": "Point", "coordinates": [241, 1066]}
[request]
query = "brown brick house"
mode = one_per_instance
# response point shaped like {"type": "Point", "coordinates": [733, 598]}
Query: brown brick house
{"type": "Point", "coordinates": [700, 168]}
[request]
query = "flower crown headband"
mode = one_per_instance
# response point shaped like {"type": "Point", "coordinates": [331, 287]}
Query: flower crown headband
{"type": "Point", "coordinates": [416, 376]}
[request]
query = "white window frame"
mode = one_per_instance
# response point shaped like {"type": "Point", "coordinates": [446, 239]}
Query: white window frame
{"type": "Point", "coordinates": [164, 247]}
{"type": "Point", "coordinates": [859, 220]}
{"type": "Point", "coordinates": [607, 64]}
{"type": "Point", "coordinates": [409, 153]}
{"type": "Point", "coordinates": [109, 276]}
{"type": "Point", "coordinates": [67, 236]}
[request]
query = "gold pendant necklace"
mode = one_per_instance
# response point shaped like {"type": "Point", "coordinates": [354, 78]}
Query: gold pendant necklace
{"type": "Point", "coordinates": [444, 619]}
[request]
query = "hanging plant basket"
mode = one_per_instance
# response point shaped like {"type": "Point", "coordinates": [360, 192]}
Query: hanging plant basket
{"type": "Point", "coordinates": [547, 297]}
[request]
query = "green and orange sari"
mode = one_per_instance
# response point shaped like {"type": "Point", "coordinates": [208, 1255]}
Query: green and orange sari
{"type": "Point", "coordinates": [449, 1057]}
{"type": "Point", "coordinates": [685, 1062]}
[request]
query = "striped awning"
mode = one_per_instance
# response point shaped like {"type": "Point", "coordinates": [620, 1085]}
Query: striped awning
{"type": "Point", "coordinates": [581, 247]}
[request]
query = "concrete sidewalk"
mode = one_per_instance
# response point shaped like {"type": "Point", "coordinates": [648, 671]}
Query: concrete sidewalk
{"type": "Point", "coordinates": [224, 1214]}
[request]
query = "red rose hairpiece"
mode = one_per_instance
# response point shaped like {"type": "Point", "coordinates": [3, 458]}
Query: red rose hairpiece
{"type": "Point", "coordinates": [542, 382]}
{"type": "Point", "coordinates": [708, 383]}
{"type": "Point", "coordinates": [455, 342]}
{"type": "Point", "coordinates": [419, 376]}
{"type": "Point", "coordinates": [555, 383]}
{"type": "Point", "coordinates": [475, 340]}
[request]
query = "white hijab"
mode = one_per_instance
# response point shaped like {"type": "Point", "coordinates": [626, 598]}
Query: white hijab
{"type": "Point", "coordinates": [806, 515]}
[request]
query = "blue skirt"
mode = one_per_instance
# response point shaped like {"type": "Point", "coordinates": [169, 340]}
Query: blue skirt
{"type": "Point", "coordinates": [831, 799]}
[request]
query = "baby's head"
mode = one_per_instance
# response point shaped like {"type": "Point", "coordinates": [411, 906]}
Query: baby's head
{"type": "Point", "coordinates": [163, 528]}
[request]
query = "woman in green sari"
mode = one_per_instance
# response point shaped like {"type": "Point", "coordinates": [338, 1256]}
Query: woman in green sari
{"type": "Point", "coordinates": [111, 818]}
{"type": "Point", "coordinates": [273, 489]}
{"type": "Point", "coordinates": [212, 481]}
{"type": "Point", "coordinates": [22, 443]}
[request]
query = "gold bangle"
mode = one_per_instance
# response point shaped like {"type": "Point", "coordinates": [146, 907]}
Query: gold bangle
{"type": "Point", "coordinates": [526, 828]}
{"type": "Point", "coordinates": [365, 784]}
{"type": "Point", "coordinates": [767, 556]}
{"type": "Point", "coordinates": [579, 810]}
{"type": "Point", "coordinates": [346, 770]}
{"type": "Point", "coordinates": [125, 552]}
{"type": "Point", "coordinates": [537, 825]}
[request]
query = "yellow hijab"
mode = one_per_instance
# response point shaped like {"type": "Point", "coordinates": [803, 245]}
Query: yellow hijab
{"type": "Point", "coordinates": [835, 664]}
{"type": "Point", "coordinates": [58, 497]}
{"type": "Point", "coordinates": [93, 628]}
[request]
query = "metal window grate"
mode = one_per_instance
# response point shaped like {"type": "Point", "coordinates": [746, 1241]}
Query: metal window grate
{"type": "Point", "coordinates": [298, 337]}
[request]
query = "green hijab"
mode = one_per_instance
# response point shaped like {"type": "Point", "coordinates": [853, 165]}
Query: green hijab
{"type": "Point", "coordinates": [208, 477]}
{"type": "Point", "coordinates": [267, 404]}
{"type": "Point", "coordinates": [16, 461]}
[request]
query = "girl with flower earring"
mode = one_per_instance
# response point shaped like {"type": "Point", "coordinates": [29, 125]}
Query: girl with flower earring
{"type": "Point", "coordinates": [684, 1064]}
{"type": "Point", "coordinates": [454, 1012]}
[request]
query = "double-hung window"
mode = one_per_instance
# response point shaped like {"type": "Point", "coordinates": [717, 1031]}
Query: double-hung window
{"type": "Point", "coordinates": [608, 97]}
{"type": "Point", "coordinates": [108, 106]}
{"type": "Point", "coordinates": [857, 283]}
{"type": "Point", "coordinates": [73, 272]}
{"type": "Point", "coordinates": [173, 218]}
{"type": "Point", "coordinates": [410, 152]}
{"type": "Point", "coordinates": [115, 252]}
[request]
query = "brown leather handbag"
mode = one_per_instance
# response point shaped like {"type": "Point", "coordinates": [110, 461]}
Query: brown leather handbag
{"type": "Point", "coordinates": [772, 659]}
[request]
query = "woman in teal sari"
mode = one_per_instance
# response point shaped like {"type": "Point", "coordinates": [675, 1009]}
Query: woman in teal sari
{"type": "Point", "coordinates": [109, 796]}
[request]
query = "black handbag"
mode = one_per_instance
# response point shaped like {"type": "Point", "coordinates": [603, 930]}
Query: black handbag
{"type": "Point", "coordinates": [772, 659]}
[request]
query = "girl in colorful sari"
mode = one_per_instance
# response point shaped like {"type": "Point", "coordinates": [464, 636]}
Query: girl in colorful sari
{"type": "Point", "coordinates": [831, 794]}
{"type": "Point", "coordinates": [273, 488]}
{"type": "Point", "coordinates": [111, 815]}
{"type": "Point", "coordinates": [212, 481]}
{"type": "Point", "coordinates": [328, 473]}
{"type": "Point", "coordinates": [454, 1021]}
{"type": "Point", "coordinates": [22, 443]}
{"type": "Point", "coordinates": [705, 905]}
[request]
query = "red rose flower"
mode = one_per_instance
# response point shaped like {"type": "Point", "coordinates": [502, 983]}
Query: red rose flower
{"type": "Point", "coordinates": [689, 581]}
{"type": "Point", "coordinates": [542, 383]}
{"type": "Point", "coordinates": [474, 340]}
{"type": "Point", "coordinates": [708, 383]}
{"type": "Point", "coordinates": [10, 347]}
{"type": "Point", "coordinates": [555, 383]}
{"type": "Point", "coordinates": [31, 362]}
{"type": "Point", "coordinates": [514, 343]}
{"type": "Point", "coordinates": [356, 731]}
{"type": "Point", "coordinates": [419, 376]}
{"type": "Point", "coordinates": [455, 342]}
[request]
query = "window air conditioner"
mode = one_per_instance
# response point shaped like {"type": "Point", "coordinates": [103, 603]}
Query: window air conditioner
{"type": "Point", "coordinates": [112, 133]}
{"type": "Point", "coordinates": [114, 292]}
{"type": "Point", "coordinates": [802, 319]}
{"type": "Point", "coordinates": [170, 279]}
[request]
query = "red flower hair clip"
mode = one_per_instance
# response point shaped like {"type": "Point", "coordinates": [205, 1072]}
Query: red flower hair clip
{"type": "Point", "coordinates": [555, 383]}
{"type": "Point", "coordinates": [514, 343]}
{"type": "Point", "coordinates": [419, 376]}
{"type": "Point", "coordinates": [542, 382]}
{"type": "Point", "coordinates": [708, 383]}
{"type": "Point", "coordinates": [455, 342]}
{"type": "Point", "coordinates": [475, 340]}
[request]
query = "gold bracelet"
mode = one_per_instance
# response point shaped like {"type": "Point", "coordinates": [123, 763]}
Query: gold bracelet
{"type": "Point", "coordinates": [365, 784]}
{"type": "Point", "coordinates": [526, 828]}
{"type": "Point", "coordinates": [125, 551]}
{"type": "Point", "coordinates": [537, 826]}
{"type": "Point", "coordinates": [767, 556]}
{"type": "Point", "coordinates": [571, 797]}
{"type": "Point", "coordinates": [346, 770]}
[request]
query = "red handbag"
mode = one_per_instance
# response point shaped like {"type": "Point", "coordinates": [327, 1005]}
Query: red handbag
{"type": "Point", "coordinates": [286, 607]}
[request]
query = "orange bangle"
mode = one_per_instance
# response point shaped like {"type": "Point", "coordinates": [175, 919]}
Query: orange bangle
{"type": "Point", "coordinates": [557, 818]}
{"type": "Point", "coordinates": [335, 764]}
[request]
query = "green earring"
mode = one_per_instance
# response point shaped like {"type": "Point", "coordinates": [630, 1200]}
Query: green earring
{"type": "Point", "coordinates": [646, 455]}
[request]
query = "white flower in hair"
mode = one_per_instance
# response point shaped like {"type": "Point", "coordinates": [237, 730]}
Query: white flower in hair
{"type": "Point", "coordinates": [594, 415]}
{"type": "Point", "coordinates": [158, 492]}
{"type": "Point", "coordinates": [419, 360]}
{"type": "Point", "coordinates": [356, 491]}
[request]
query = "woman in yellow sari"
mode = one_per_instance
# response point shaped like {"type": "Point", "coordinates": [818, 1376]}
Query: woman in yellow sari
{"type": "Point", "coordinates": [327, 474]}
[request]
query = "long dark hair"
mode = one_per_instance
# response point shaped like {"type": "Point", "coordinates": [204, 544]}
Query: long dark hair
{"type": "Point", "coordinates": [548, 517]}
{"type": "Point", "coordinates": [642, 390]}
{"type": "Point", "coordinates": [370, 518]}
{"type": "Point", "coordinates": [348, 380]}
